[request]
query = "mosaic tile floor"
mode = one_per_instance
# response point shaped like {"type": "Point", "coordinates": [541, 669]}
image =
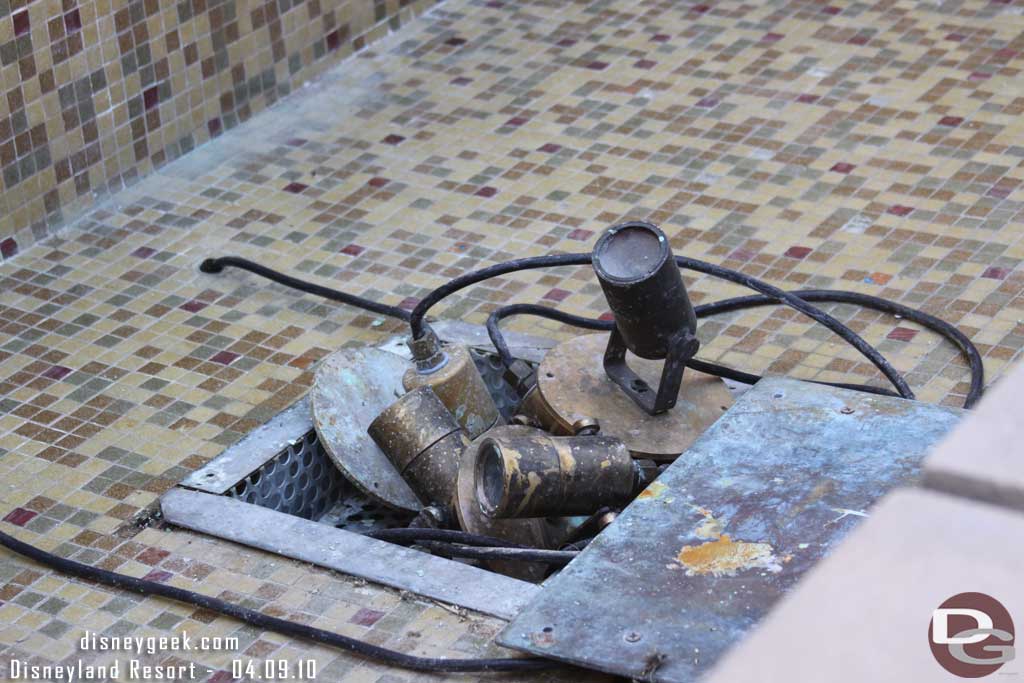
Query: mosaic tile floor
{"type": "Point", "coordinates": [876, 148]}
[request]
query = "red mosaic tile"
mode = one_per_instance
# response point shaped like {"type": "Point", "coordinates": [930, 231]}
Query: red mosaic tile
{"type": "Point", "coordinates": [606, 317]}
{"type": "Point", "coordinates": [20, 516]}
{"type": "Point", "coordinates": [460, 80]}
{"type": "Point", "coordinates": [224, 357]}
{"type": "Point", "coordinates": [144, 252]}
{"type": "Point", "coordinates": [842, 167]}
{"type": "Point", "coordinates": [951, 120]}
{"type": "Point", "coordinates": [21, 23]}
{"type": "Point", "coordinates": [904, 334]}
{"type": "Point", "coordinates": [550, 148]}
{"type": "Point", "coordinates": [899, 210]}
{"type": "Point", "coordinates": [995, 273]}
{"type": "Point", "coordinates": [566, 42]}
{"type": "Point", "coordinates": [57, 372]}
{"type": "Point", "coordinates": [158, 575]}
{"type": "Point", "coordinates": [333, 40]}
{"type": "Point", "coordinates": [295, 188]}
{"type": "Point", "coordinates": [807, 98]}
{"type": "Point", "coordinates": [152, 556]}
{"type": "Point", "coordinates": [73, 21]}
{"type": "Point", "coordinates": [151, 97]}
{"type": "Point", "coordinates": [214, 127]}
{"type": "Point", "coordinates": [455, 42]}
{"type": "Point", "coordinates": [580, 234]}
{"type": "Point", "coordinates": [798, 252]}
{"type": "Point", "coordinates": [516, 121]}
{"type": "Point", "coordinates": [597, 65]}
{"type": "Point", "coordinates": [771, 37]}
{"type": "Point", "coordinates": [8, 247]}
{"type": "Point", "coordinates": [486, 191]}
{"type": "Point", "coordinates": [408, 303]}
{"type": "Point", "coordinates": [708, 102]}
{"type": "Point", "coordinates": [378, 182]}
{"type": "Point", "coordinates": [660, 37]}
{"type": "Point", "coordinates": [193, 306]}
{"type": "Point", "coordinates": [645, 64]}
{"type": "Point", "coordinates": [353, 250]}
{"type": "Point", "coordinates": [366, 617]}
{"type": "Point", "coordinates": [393, 139]}
{"type": "Point", "coordinates": [557, 294]}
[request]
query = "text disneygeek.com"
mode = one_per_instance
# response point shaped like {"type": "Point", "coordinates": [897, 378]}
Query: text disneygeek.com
{"type": "Point", "coordinates": [135, 654]}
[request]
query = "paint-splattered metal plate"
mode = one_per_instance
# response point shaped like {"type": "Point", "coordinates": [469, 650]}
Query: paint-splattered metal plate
{"type": "Point", "coordinates": [351, 388]}
{"type": "Point", "coordinates": [705, 551]}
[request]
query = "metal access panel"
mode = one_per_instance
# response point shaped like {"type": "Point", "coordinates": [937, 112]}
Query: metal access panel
{"type": "Point", "coordinates": [703, 554]}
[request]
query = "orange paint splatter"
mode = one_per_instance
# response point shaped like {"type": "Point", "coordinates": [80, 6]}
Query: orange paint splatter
{"type": "Point", "coordinates": [725, 557]}
{"type": "Point", "coordinates": [652, 491]}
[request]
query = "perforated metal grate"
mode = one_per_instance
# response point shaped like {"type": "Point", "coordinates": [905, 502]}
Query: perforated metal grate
{"type": "Point", "coordinates": [300, 481]}
{"type": "Point", "coordinates": [493, 373]}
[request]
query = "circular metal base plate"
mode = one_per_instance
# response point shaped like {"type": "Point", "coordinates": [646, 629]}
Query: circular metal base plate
{"type": "Point", "coordinates": [573, 384]}
{"type": "Point", "coordinates": [533, 532]}
{"type": "Point", "coordinates": [351, 388]}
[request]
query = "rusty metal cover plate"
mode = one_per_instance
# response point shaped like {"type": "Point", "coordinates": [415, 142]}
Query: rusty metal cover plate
{"type": "Point", "coordinates": [706, 550]}
{"type": "Point", "coordinates": [351, 388]}
{"type": "Point", "coordinates": [573, 384]}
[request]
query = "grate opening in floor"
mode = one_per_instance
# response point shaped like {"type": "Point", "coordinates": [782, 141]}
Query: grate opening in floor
{"type": "Point", "coordinates": [278, 490]}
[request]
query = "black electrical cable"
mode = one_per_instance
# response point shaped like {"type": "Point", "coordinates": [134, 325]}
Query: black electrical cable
{"type": "Point", "coordinates": [263, 621]}
{"type": "Point", "coordinates": [769, 296]}
{"type": "Point", "coordinates": [505, 354]}
{"type": "Point", "coordinates": [498, 340]}
{"type": "Point", "coordinates": [413, 535]}
{"type": "Point", "coordinates": [560, 557]}
{"type": "Point", "coordinates": [947, 330]}
{"type": "Point", "coordinates": [216, 265]}
{"type": "Point", "coordinates": [417, 324]}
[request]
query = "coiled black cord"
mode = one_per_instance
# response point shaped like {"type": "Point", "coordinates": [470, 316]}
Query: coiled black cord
{"type": "Point", "coordinates": [216, 265]}
{"type": "Point", "coordinates": [501, 346]}
{"type": "Point", "coordinates": [263, 621]}
{"type": "Point", "coordinates": [949, 332]}
{"type": "Point", "coordinates": [416, 321]}
{"type": "Point", "coordinates": [769, 295]}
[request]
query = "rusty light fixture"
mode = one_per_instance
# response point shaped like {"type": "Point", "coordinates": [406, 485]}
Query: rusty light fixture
{"type": "Point", "coordinates": [653, 315]}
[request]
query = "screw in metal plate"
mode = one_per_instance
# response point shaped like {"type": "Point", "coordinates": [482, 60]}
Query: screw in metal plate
{"type": "Point", "coordinates": [846, 410]}
{"type": "Point", "coordinates": [632, 637]}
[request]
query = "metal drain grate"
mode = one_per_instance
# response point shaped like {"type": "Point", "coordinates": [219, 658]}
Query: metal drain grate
{"type": "Point", "coordinates": [493, 373]}
{"type": "Point", "coordinates": [276, 489]}
{"type": "Point", "coordinates": [300, 481]}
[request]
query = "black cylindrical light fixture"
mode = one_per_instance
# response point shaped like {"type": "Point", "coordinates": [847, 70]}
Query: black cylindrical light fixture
{"type": "Point", "coordinates": [653, 315]}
